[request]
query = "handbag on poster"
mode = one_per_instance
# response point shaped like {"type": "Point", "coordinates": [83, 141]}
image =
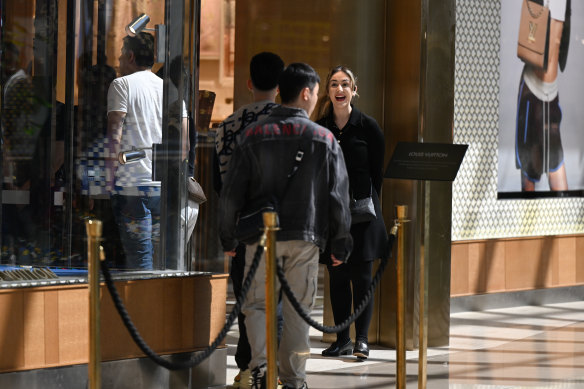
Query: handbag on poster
{"type": "Point", "coordinates": [533, 40]}
{"type": "Point", "coordinates": [195, 190]}
{"type": "Point", "coordinates": [362, 210]}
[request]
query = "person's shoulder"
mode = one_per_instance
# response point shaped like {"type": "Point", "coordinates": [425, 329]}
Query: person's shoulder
{"type": "Point", "coordinates": [558, 9]}
{"type": "Point", "coordinates": [365, 120]}
{"type": "Point", "coordinates": [319, 133]}
{"type": "Point", "coordinates": [359, 116]}
{"type": "Point", "coordinates": [250, 129]}
{"type": "Point", "coordinates": [18, 80]}
{"type": "Point", "coordinates": [120, 80]}
{"type": "Point", "coordinates": [230, 118]}
{"type": "Point", "coordinates": [18, 76]}
{"type": "Point", "coordinates": [260, 110]}
{"type": "Point", "coordinates": [141, 76]}
{"type": "Point", "coordinates": [259, 107]}
{"type": "Point", "coordinates": [127, 81]}
{"type": "Point", "coordinates": [320, 123]}
{"type": "Point", "coordinates": [119, 85]}
{"type": "Point", "coordinates": [264, 104]}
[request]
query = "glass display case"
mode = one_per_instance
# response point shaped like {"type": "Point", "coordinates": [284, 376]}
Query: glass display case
{"type": "Point", "coordinates": [72, 151]}
{"type": "Point", "coordinates": [59, 161]}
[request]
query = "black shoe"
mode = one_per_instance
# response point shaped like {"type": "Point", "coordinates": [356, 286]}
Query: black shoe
{"type": "Point", "coordinates": [258, 377]}
{"type": "Point", "coordinates": [337, 349]}
{"type": "Point", "coordinates": [361, 349]}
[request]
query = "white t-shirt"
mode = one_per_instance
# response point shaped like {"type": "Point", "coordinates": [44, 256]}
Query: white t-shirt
{"type": "Point", "coordinates": [557, 9]}
{"type": "Point", "coordinates": [139, 95]}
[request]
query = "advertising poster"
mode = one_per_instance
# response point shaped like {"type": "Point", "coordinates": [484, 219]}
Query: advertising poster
{"type": "Point", "coordinates": [541, 110]}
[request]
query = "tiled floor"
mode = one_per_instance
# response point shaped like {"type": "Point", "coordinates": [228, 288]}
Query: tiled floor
{"type": "Point", "coordinates": [520, 347]}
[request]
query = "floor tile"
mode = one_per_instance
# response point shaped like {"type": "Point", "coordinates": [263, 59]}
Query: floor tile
{"type": "Point", "coordinates": [532, 347]}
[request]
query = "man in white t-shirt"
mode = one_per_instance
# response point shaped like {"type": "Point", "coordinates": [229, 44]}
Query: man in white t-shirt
{"type": "Point", "coordinates": [134, 120]}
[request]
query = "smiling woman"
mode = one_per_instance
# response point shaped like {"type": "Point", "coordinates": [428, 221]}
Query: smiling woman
{"type": "Point", "coordinates": [363, 147]}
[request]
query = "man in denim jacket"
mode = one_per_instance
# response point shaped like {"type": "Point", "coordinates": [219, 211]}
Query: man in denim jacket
{"type": "Point", "coordinates": [313, 210]}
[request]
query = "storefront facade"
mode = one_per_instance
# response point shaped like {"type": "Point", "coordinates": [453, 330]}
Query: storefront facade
{"type": "Point", "coordinates": [419, 75]}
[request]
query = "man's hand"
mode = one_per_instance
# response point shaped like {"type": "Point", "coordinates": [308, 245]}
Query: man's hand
{"type": "Point", "coordinates": [230, 253]}
{"type": "Point", "coordinates": [336, 262]}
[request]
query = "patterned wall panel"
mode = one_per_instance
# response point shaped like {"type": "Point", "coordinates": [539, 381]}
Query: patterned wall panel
{"type": "Point", "coordinates": [476, 212]}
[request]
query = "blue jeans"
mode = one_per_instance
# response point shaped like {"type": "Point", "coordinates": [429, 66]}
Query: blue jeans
{"type": "Point", "coordinates": [138, 220]}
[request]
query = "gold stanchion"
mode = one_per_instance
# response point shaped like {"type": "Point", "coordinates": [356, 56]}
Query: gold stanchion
{"type": "Point", "coordinates": [94, 231]}
{"type": "Point", "coordinates": [423, 325]}
{"type": "Point", "coordinates": [401, 212]}
{"type": "Point", "coordinates": [271, 226]}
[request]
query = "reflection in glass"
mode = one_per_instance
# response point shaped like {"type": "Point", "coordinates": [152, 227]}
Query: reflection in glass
{"type": "Point", "coordinates": [55, 146]}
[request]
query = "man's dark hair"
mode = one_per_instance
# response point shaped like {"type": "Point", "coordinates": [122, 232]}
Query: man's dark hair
{"type": "Point", "coordinates": [296, 77]}
{"type": "Point", "coordinates": [265, 69]}
{"type": "Point", "coordinates": [142, 45]}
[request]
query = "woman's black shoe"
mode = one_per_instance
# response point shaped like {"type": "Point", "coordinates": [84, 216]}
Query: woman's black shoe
{"type": "Point", "coordinates": [336, 350]}
{"type": "Point", "coordinates": [361, 349]}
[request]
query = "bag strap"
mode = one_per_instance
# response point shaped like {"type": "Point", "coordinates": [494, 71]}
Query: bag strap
{"type": "Point", "coordinates": [297, 160]}
{"type": "Point", "coordinates": [543, 4]}
{"type": "Point", "coordinates": [370, 189]}
{"type": "Point", "coordinates": [565, 42]}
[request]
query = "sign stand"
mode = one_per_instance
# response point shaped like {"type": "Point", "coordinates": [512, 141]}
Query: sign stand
{"type": "Point", "coordinates": [421, 161]}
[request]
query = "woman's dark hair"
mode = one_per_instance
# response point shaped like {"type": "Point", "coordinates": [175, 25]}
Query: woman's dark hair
{"type": "Point", "coordinates": [265, 69]}
{"type": "Point", "coordinates": [296, 77]}
{"type": "Point", "coordinates": [142, 45]}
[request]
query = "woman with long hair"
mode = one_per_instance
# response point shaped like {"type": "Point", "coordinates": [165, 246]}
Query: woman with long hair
{"type": "Point", "coordinates": [363, 147]}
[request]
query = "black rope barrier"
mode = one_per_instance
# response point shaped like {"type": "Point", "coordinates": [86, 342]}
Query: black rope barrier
{"type": "Point", "coordinates": [345, 324]}
{"type": "Point", "coordinates": [209, 349]}
{"type": "Point", "coordinates": [134, 333]}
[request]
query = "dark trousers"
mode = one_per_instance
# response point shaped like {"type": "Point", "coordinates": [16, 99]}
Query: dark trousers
{"type": "Point", "coordinates": [243, 351]}
{"type": "Point", "coordinates": [341, 278]}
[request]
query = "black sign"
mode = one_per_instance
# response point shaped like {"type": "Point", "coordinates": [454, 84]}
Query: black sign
{"type": "Point", "coordinates": [425, 161]}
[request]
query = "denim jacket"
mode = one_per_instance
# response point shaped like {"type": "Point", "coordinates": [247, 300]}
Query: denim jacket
{"type": "Point", "coordinates": [313, 205]}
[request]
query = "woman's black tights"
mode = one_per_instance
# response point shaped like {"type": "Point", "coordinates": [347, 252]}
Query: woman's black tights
{"type": "Point", "coordinates": [341, 278]}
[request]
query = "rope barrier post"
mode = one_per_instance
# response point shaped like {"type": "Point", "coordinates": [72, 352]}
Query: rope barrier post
{"type": "Point", "coordinates": [93, 229]}
{"type": "Point", "coordinates": [271, 226]}
{"type": "Point", "coordinates": [423, 324]}
{"type": "Point", "coordinates": [401, 212]}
